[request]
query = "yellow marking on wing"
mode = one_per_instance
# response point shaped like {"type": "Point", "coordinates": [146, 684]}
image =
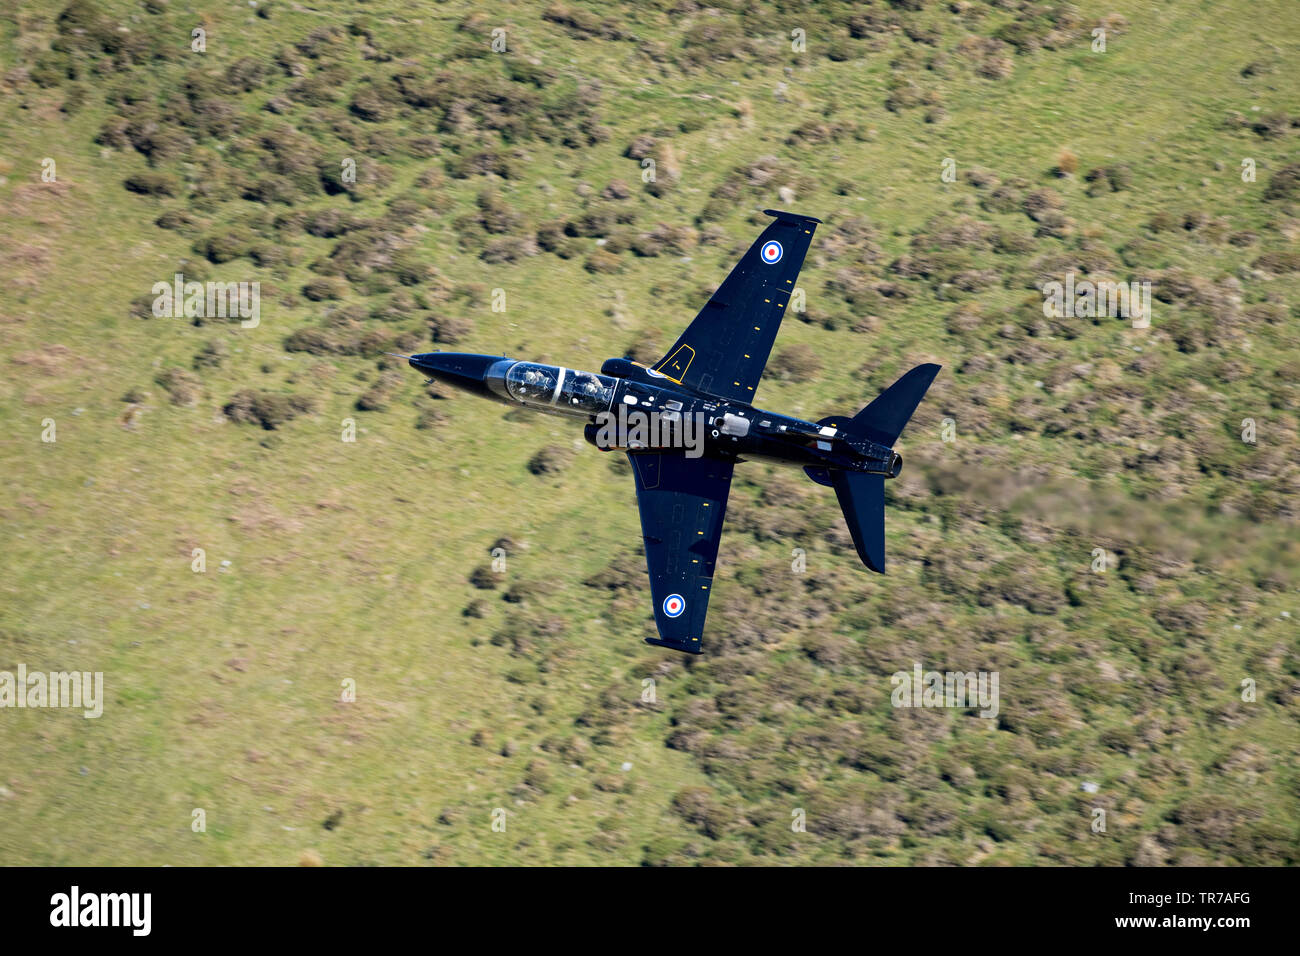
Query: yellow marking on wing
{"type": "Point", "coordinates": [675, 363]}
{"type": "Point", "coordinates": [669, 377]}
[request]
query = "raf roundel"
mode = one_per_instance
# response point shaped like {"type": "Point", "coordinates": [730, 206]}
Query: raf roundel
{"type": "Point", "coordinates": [772, 252]}
{"type": "Point", "coordinates": [674, 604]}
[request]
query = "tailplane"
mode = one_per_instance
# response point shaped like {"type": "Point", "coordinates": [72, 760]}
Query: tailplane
{"type": "Point", "coordinates": [861, 495]}
{"type": "Point", "coordinates": [882, 421]}
{"type": "Point", "coordinates": [862, 499]}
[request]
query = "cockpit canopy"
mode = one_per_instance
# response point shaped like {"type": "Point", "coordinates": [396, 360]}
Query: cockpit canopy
{"type": "Point", "coordinates": [563, 389]}
{"type": "Point", "coordinates": [531, 383]}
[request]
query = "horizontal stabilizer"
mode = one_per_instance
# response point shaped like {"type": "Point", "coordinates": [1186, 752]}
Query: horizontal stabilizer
{"type": "Point", "coordinates": [882, 421]}
{"type": "Point", "coordinates": [862, 499]}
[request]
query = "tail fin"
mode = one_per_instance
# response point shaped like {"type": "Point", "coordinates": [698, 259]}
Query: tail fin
{"type": "Point", "coordinates": [862, 496]}
{"type": "Point", "coordinates": [882, 421]}
{"type": "Point", "coordinates": [862, 499]}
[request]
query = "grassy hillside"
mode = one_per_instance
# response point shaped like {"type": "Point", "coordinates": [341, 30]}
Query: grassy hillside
{"type": "Point", "coordinates": [518, 172]}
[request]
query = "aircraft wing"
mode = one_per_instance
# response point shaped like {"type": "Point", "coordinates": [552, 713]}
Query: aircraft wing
{"type": "Point", "coordinates": [682, 501]}
{"type": "Point", "coordinates": [723, 352]}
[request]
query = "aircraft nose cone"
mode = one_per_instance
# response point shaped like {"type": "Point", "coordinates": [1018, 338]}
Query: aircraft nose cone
{"type": "Point", "coordinates": [462, 370]}
{"type": "Point", "coordinates": [431, 363]}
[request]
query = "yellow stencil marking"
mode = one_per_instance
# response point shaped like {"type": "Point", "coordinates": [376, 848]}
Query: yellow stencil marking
{"type": "Point", "coordinates": [674, 366]}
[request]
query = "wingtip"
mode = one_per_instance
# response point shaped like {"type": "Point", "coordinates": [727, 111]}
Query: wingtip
{"type": "Point", "coordinates": [779, 214]}
{"type": "Point", "coordinates": [693, 648]}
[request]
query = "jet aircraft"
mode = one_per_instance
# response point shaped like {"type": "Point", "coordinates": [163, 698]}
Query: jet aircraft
{"type": "Point", "coordinates": [708, 379]}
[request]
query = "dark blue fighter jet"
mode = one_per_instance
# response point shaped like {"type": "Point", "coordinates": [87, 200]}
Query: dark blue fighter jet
{"type": "Point", "coordinates": [699, 400]}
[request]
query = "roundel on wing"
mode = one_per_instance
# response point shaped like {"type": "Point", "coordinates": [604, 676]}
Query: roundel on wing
{"type": "Point", "coordinates": [772, 252]}
{"type": "Point", "coordinates": [674, 605]}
